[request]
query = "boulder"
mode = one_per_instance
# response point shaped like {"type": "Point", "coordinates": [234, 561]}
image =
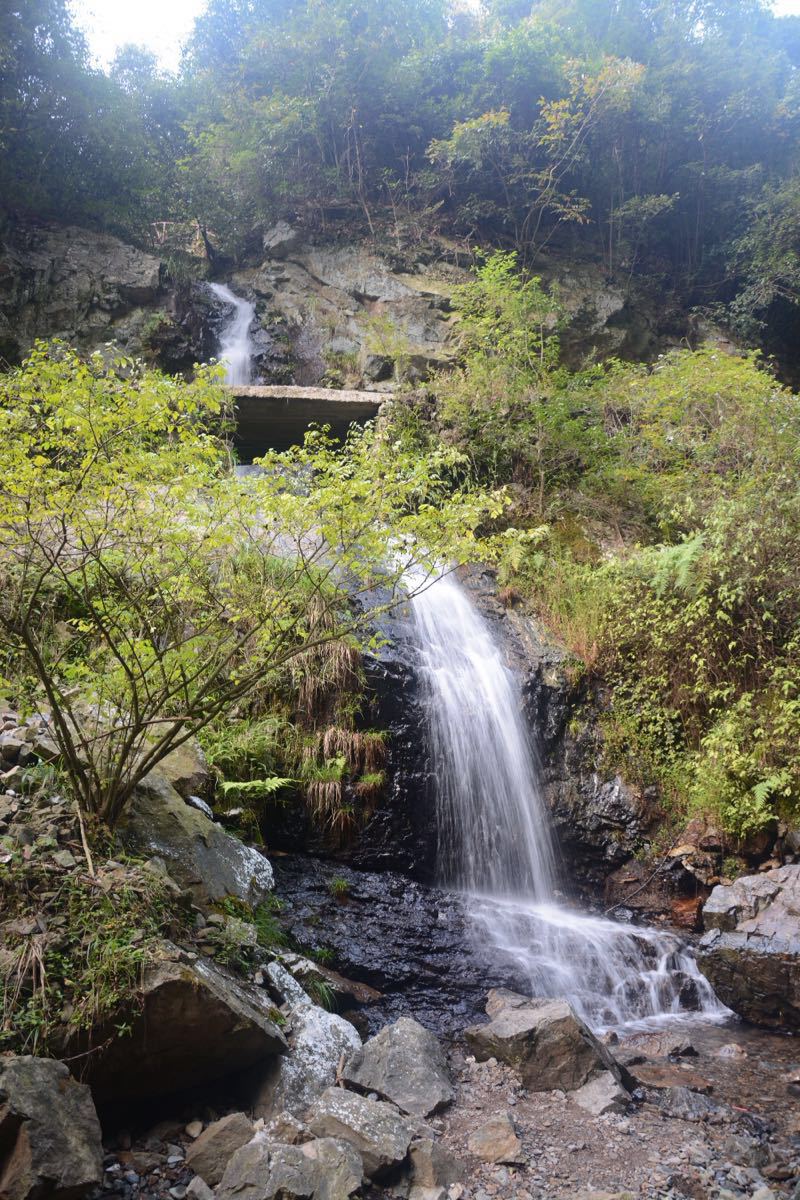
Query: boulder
{"type": "Point", "coordinates": [661, 1075]}
{"type": "Point", "coordinates": [198, 853]}
{"type": "Point", "coordinates": [280, 240]}
{"type": "Point", "coordinates": [405, 1064]}
{"type": "Point", "coordinates": [496, 1141]}
{"type": "Point", "coordinates": [209, 1155]}
{"type": "Point", "coordinates": [320, 1041]}
{"type": "Point", "coordinates": [543, 1040]}
{"type": "Point", "coordinates": [187, 770]}
{"type": "Point", "coordinates": [376, 1129]}
{"type": "Point", "coordinates": [683, 1105]}
{"type": "Point", "coordinates": [603, 1094]}
{"type": "Point", "coordinates": [49, 1133]}
{"type": "Point", "coordinates": [751, 950]}
{"type": "Point", "coordinates": [195, 1024]}
{"type": "Point", "coordinates": [432, 1166]}
{"type": "Point", "coordinates": [322, 1169]}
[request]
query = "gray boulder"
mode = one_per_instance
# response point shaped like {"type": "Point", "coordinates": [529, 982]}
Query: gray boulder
{"type": "Point", "coordinates": [322, 1169]}
{"type": "Point", "coordinates": [196, 1024]}
{"type": "Point", "coordinates": [198, 853]}
{"type": "Point", "coordinates": [405, 1064]}
{"type": "Point", "coordinates": [751, 950]}
{"type": "Point", "coordinates": [280, 239]}
{"type": "Point", "coordinates": [603, 1094]}
{"type": "Point", "coordinates": [543, 1040]}
{"type": "Point", "coordinates": [210, 1154]}
{"type": "Point", "coordinates": [49, 1133]}
{"type": "Point", "coordinates": [683, 1105]}
{"type": "Point", "coordinates": [379, 1133]}
{"type": "Point", "coordinates": [319, 1040]}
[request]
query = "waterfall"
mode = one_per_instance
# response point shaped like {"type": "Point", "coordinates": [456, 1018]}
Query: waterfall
{"type": "Point", "coordinates": [236, 347]}
{"type": "Point", "coordinates": [495, 842]}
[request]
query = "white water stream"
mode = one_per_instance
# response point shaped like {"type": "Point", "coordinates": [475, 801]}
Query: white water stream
{"type": "Point", "coordinates": [236, 346]}
{"type": "Point", "coordinates": [495, 842]}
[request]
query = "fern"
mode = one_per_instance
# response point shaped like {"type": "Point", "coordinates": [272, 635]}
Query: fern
{"type": "Point", "coordinates": [257, 788]}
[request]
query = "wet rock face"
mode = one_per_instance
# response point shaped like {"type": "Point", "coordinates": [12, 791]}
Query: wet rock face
{"type": "Point", "coordinates": [89, 288]}
{"type": "Point", "coordinates": [342, 313]}
{"type": "Point", "coordinates": [598, 821]}
{"type": "Point", "coordinates": [751, 951]}
{"type": "Point", "coordinates": [410, 942]}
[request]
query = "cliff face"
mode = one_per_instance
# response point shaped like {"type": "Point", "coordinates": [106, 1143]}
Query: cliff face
{"type": "Point", "coordinates": [338, 312]}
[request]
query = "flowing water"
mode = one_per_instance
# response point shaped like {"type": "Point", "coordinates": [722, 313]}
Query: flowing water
{"type": "Point", "coordinates": [495, 843]}
{"type": "Point", "coordinates": [236, 346]}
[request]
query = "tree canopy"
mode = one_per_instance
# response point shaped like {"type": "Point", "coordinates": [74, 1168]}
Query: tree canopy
{"type": "Point", "coordinates": [661, 134]}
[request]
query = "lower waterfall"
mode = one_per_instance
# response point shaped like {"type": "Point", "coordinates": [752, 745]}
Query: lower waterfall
{"type": "Point", "coordinates": [495, 843]}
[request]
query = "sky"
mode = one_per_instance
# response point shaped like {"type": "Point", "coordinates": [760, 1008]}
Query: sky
{"type": "Point", "coordinates": [162, 25]}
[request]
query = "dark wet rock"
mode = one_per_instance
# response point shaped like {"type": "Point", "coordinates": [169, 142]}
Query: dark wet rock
{"type": "Point", "coordinates": [376, 1129]}
{"type": "Point", "coordinates": [410, 942]}
{"type": "Point", "coordinates": [405, 1064]}
{"type": "Point", "coordinates": [49, 1132]}
{"type": "Point", "coordinates": [322, 1169]}
{"type": "Point", "coordinates": [599, 821]}
{"type": "Point", "coordinates": [751, 952]}
{"type": "Point", "coordinates": [209, 1155]}
{"type": "Point", "coordinates": [543, 1040]}
{"type": "Point", "coordinates": [63, 281]}
{"type": "Point", "coordinates": [198, 853]}
{"type": "Point", "coordinates": [196, 1024]}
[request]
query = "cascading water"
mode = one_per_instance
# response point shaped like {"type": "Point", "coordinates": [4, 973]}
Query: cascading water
{"type": "Point", "coordinates": [236, 347]}
{"type": "Point", "coordinates": [495, 842]}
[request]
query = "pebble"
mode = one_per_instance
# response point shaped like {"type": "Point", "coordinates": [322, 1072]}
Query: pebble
{"type": "Point", "coordinates": [178, 1193]}
{"type": "Point", "coordinates": [194, 1129]}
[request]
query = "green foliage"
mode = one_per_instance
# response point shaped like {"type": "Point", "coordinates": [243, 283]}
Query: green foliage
{"type": "Point", "coordinates": [339, 887]}
{"type": "Point", "coordinates": [692, 619]}
{"type": "Point", "coordinates": [145, 589]}
{"type": "Point", "coordinates": [70, 979]}
{"type": "Point", "coordinates": [511, 410]}
{"type": "Point", "coordinates": [266, 920]}
{"type": "Point", "coordinates": [321, 993]}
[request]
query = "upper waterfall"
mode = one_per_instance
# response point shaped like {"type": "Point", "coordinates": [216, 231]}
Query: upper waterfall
{"type": "Point", "coordinates": [495, 844]}
{"type": "Point", "coordinates": [236, 346]}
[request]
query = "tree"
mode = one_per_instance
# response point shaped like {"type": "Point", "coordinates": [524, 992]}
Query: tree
{"type": "Point", "coordinates": [145, 588]}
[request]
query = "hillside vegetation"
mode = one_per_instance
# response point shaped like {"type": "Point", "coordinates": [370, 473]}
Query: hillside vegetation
{"type": "Point", "coordinates": [658, 137]}
{"type": "Point", "coordinates": [649, 512]}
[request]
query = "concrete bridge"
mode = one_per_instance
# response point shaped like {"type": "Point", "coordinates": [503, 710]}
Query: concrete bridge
{"type": "Point", "coordinates": [275, 417]}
